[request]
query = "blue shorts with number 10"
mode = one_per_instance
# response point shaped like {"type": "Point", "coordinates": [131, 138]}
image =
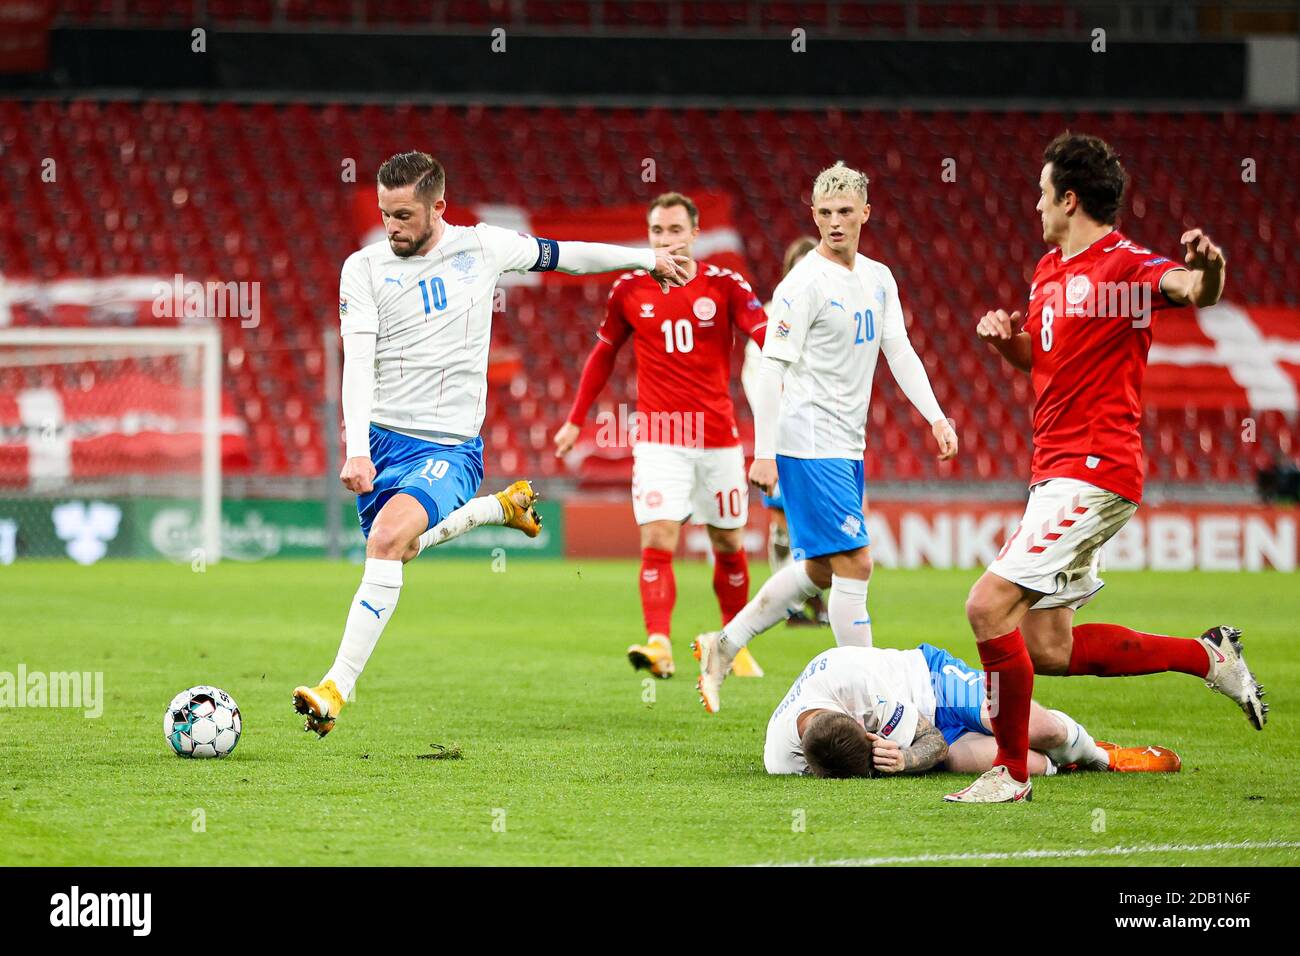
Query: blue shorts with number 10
{"type": "Point", "coordinates": [440, 477]}
{"type": "Point", "coordinates": [958, 694]}
{"type": "Point", "coordinates": [823, 504]}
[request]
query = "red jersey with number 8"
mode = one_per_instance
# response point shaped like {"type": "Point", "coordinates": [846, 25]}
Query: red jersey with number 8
{"type": "Point", "coordinates": [1089, 322]}
{"type": "Point", "coordinates": [683, 343]}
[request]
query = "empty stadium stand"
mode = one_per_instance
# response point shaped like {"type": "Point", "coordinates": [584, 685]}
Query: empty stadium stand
{"type": "Point", "coordinates": [254, 192]}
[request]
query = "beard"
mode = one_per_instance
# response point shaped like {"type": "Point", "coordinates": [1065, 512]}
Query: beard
{"type": "Point", "coordinates": [405, 249]}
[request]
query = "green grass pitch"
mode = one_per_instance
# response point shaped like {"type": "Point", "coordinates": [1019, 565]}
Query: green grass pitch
{"type": "Point", "coordinates": [564, 760]}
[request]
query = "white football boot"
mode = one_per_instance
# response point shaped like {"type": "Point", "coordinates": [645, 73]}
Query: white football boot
{"type": "Point", "coordinates": [715, 656]}
{"type": "Point", "coordinates": [994, 786]}
{"type": "Point", "coordinates": [1230, 676]}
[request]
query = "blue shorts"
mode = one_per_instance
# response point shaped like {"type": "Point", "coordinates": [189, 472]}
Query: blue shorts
{"type": "Point", "coordinates": [773, 501]}
{"type": "Point", "coordinates": [958, 694]}
{"type": "Point", "coordinates": [824, 510]}
{"type": "Point", "coordinates": [440, 477]}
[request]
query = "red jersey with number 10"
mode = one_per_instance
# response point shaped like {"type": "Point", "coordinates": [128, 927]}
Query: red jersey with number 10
{"type": "Point", "coordinates": [683, 343]}
{"type": "Point", "coordinates": [1090, 328]}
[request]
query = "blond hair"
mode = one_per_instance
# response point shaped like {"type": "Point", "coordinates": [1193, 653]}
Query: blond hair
{"type": "Point", "coordinates": [839, 179]}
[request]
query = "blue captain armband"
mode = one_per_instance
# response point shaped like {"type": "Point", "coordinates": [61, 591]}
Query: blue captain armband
{"type": "Point", "coordinates": [548, 256]}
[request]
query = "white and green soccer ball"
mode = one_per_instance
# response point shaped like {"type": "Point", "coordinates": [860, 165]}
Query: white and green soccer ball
{"type": "Point", "coordinates": [202, 722]}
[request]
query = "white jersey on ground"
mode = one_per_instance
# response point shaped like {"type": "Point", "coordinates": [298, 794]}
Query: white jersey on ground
{"type": "Point", "coordinates": [432, 316]}
{"type": "Point", "coordinates": [828, 322]}
{"type": "Point", "coordinates": [891, 687]}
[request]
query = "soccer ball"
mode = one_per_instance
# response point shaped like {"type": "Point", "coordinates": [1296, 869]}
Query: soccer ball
{"type": "Point", "coordinates": [202, 722]}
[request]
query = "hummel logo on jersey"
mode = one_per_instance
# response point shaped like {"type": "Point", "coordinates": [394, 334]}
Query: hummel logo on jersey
{"type": "Point", "coordinates": [647, 310]}
{"type": "Point", "coordinates": [1130, 245]}
{"type": "Point", "coordinates": [397, 282]}
{"type": "Point", "coordinates": [373, 610]}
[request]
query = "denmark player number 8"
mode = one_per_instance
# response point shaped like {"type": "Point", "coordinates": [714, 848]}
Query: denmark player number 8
{"type": "Point", "coordinates": [1045, 336]}
{"type": "Point", "coordinates": [680, 334]}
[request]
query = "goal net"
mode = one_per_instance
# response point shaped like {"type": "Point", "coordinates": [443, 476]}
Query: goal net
{"type": "Point", "coordinates": [110, 443]}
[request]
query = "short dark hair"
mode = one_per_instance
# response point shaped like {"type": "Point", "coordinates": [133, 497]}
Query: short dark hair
{"type": "Point", "coordinates": [666, 200]}
{"type": "Point", "coordinates": [1090, 168]}
{"type": "Point", "coordinates": [836, 746]}
{"type": "Point", "coordinates": [423, 170]}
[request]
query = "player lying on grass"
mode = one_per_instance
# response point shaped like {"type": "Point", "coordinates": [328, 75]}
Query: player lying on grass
{"type": "Point", "coordinates": [416, 317]}
{"type": "Point", "coordinates": [683, 345]}
{"type": "Point", "coordinates": [1084, 344]}
{"type": "Point", "coordinates": [832, 318]}
{"type": "Point", "coordinates": [863, 711]}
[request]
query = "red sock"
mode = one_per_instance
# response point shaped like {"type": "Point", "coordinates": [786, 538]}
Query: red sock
{"type": "Point", "coordinates": [1112, 650]}
{"type": "Point", "coordinates": [731, 582]}
{"type": "Point", "coordinates": [658, 590]}
{"type": "Point", "coordinates": [1010, 689]}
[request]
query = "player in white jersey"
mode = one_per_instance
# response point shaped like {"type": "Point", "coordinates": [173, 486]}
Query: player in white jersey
{"type": "Point", "coordinates": [415, 312]}
{"type": "Point", "coordinates": [811, 613]}
{"type": "Point", "coordinates": [831, 318]}
{"type": "Point", "coordinates": [864, 711]}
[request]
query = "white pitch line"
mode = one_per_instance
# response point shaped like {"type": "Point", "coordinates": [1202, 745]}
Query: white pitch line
{"type": "Point", "coordinates": [1051, 854]}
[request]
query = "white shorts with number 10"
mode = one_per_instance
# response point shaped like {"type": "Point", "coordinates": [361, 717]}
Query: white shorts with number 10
{"type": "Point", "coordinates": [673, 482]}
{"type": "Point", "coordinates": [1057, 548]}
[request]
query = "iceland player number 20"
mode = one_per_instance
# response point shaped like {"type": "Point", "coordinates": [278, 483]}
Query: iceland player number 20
{"type": "Point", "coordinates": [866, 327]}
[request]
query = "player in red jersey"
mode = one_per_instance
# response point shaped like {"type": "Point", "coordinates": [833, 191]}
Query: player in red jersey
{"type": "Point", "coordinates": [688, 459]}
{"type": "Point", "coordinates": [1085, 346]}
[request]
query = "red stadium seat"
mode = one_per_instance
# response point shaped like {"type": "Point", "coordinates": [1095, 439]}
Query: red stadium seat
{"type": "Point", "coordinates": [161, 188]}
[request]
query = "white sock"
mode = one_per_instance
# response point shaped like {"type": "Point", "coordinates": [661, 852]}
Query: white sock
{"type": "Point", "coordinates": [1050, 770]}
{"type": "Point", "coordinates": [1079, 747]}
{"type": "Point", "coordinates": [847, 609]}
{"type": "Point", "coordinates": [790, 585]}
{"type": "Point", "coordinates": [373, 605]}
{"type": "Point", "coordinates": [476, 511]}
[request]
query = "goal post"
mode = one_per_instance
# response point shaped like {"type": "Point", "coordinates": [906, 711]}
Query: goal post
{"type": "Point", "coordinates": [114, 413]}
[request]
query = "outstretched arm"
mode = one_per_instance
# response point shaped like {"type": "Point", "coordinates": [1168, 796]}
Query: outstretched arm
{"type": "Point", "coordinates": [1003, 332]}
{"type": "Point", "coordinates": [926, 750]}
{"type": "Point", "coordinates": [585, 258]}
{"type": "Point", "coordinates": [1201, 283]}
